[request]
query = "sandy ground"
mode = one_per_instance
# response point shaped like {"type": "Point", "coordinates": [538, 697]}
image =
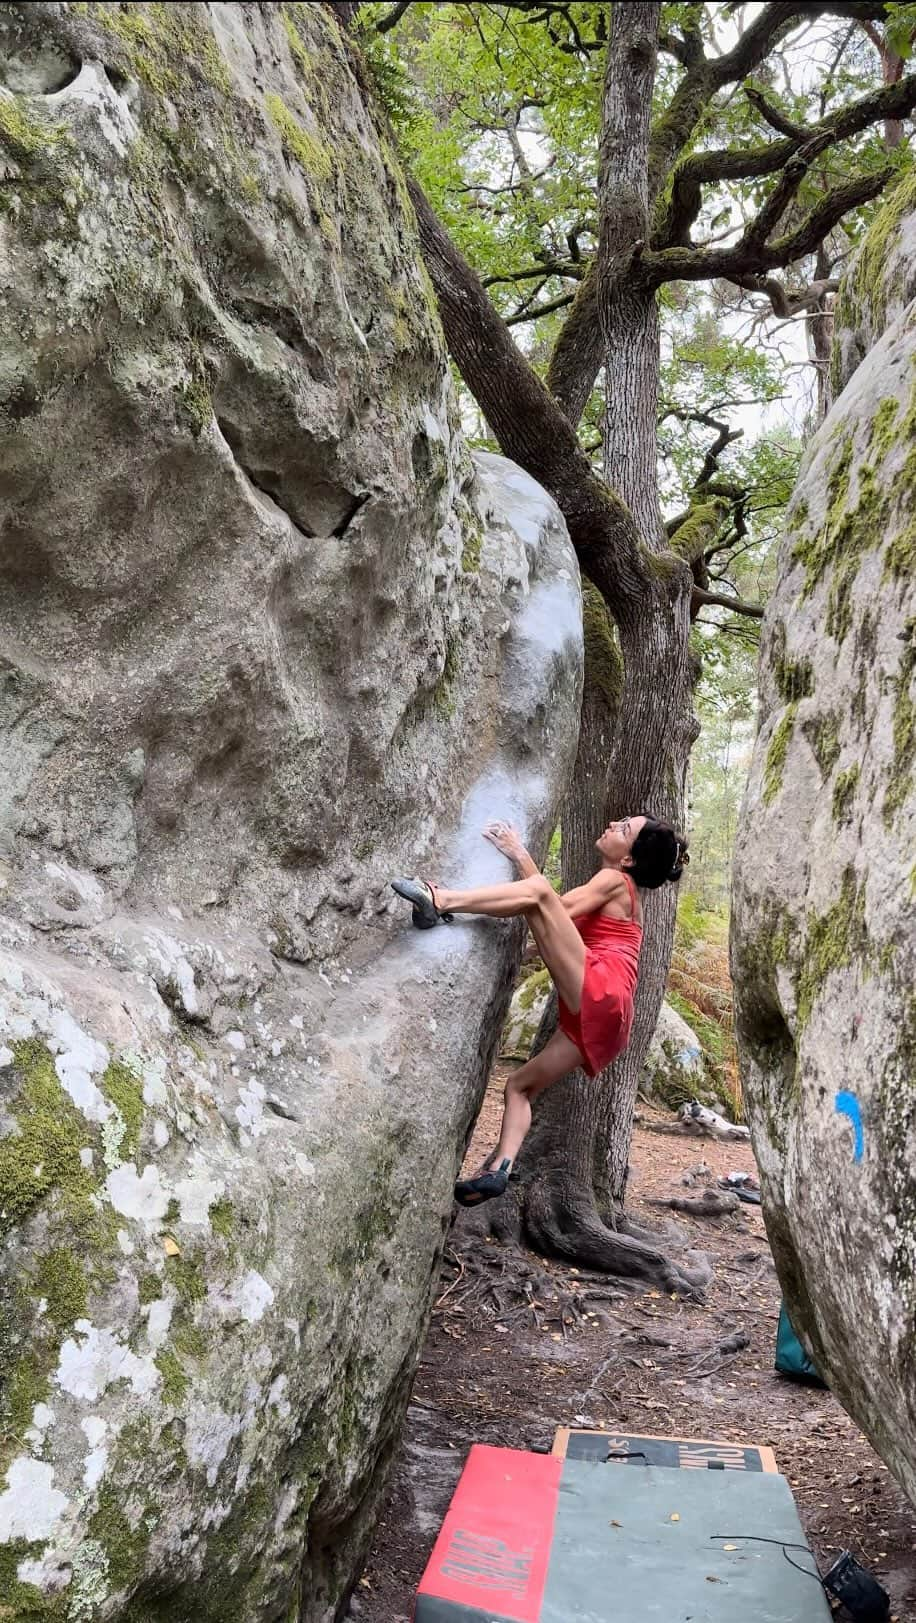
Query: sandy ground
{"type": "Point", "coordinates": [648, 1366]}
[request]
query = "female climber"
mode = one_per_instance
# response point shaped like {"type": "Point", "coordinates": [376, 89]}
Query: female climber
{"type": "Point", "coordinates": [589, 941]}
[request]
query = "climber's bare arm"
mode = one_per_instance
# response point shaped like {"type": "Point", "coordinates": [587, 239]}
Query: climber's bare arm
{"type": "Point", "coordinates": [508, 840]}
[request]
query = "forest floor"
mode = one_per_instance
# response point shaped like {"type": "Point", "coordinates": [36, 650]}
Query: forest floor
{"type": "Point", "coordinates": [649, 1368]}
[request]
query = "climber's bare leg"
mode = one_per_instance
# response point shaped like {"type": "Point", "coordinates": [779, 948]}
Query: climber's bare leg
{"type": "Point", "coordinates": [556, 1059]}
{"type": "Point", "coordinates": [558, 940]}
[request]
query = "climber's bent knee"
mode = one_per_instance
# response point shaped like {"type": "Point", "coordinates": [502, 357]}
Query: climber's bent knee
{"type": "Point", "coordinates": [539, 889]}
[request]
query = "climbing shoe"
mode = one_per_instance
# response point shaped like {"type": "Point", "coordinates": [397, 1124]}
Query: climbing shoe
{"type": "Point", "coordinates": [425, 912]}
{"type": "Point", "coordinates": [488, 1186]}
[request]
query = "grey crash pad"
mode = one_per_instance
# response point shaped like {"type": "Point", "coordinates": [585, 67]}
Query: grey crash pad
{"type": "Point", "coordinates": [618, 1556]}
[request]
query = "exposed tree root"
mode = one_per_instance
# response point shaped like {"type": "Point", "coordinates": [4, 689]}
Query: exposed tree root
{"type": "Point", "coordinates": [558, 1218]}
{"type": "Point", "coordinates": [514, 1288]}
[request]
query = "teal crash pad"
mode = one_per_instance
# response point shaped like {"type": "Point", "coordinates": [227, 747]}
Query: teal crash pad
{"type": "Point", "coordinates": [617, 1556]}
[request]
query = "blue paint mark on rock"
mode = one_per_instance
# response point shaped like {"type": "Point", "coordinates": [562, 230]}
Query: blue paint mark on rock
{"type": "Point", "coordinates": [846, 1104]}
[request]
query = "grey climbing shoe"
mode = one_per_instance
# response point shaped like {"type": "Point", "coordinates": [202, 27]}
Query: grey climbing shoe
{"type": "Point", "coordinates": [487, 1186]}
{"type": "Point", "coordinates": [425, 912]}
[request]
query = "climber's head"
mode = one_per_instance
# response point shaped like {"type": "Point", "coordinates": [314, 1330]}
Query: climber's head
{"type": "Point", "coordinates": [651, 850]}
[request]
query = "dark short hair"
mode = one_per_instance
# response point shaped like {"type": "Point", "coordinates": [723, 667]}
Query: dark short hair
{"type": "Point", "coordinates": [658, 854]}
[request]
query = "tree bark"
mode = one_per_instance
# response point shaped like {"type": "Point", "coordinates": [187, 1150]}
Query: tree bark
{"type": "Point", "coordinates": [645, 765]}
{"type": "Point", "coordinates": [637, 724]}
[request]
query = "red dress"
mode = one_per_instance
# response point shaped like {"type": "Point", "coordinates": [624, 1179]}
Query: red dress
{"type": "Point", "coordinates": [601, 1029]}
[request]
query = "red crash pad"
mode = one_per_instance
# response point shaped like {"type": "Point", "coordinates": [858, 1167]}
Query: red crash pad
{"type": "Point", "coordinates": [490, 1559]}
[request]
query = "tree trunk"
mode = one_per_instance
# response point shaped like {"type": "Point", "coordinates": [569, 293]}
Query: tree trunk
{"type": "Point", "coordinates": [637, 724]}
{"type": "Point", "coordinates": [820, 337]}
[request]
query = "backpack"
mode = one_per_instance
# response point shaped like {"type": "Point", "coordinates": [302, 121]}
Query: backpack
{"type": "Point", "coordinates": [791, 1358]}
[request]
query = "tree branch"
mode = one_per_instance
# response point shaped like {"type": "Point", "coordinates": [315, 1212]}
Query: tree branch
{"type": "Point", "coordinates": [820, 221]}
{"type": "Point", "coordinates": [725, 437]}
{"type": "Point", "coordinates": [752, 163]}
{"type": "Point", "coordinates": [773, 116]}
{"type": "Point", "coordinates": [701, 599]}
{"type": "Point", "coordinates": [548, 267]}
{"type": "Point", "coordinates": [758, 39]}
{"type": "Point", "coordinates": [578, 353]}
{"type": "Point", "coordinates": [392, 17]}
{"type": "Point", "coordinates": [537, 310]}
{"type": "Point", "coordinates": [748, 257]}
{"type": "Point", "coordinates": [768, 28]}
{"type": "Point", "coordinates": [528, 423]}
{"type": "Point", "coordinates": [786, 304]}
{"type": "Point", "coordinates": [683, 50]}
{"type": "Point", "coordinates": [774, 206]}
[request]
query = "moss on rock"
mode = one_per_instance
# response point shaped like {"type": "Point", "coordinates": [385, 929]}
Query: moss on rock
{"type": "Point", "coordinates": [186, 1275]}
{"type": "Point", "coordinates": [856, 527]}
{"type": "Point", "coordinates": [900, 784]}
{"type": "Point", "coordinates": [44, 1152]}
{"type": "Point", "coordinates": [26, 1603]}
{"type": "Point", "coordinates": [222, 1218]}
{"type": "Point", "coordinates": [794, 678]}
{"type": "Point", "coordinates": [776, 754]}
{"type": "Point", "coordinates": [832, 940]}
{"type": "Point", "coordinates": [124, 1089]}
{"type": "Point", "coordinates": [124, 1542]}
{"type": "Point", "coordinates": [61, 1283]}
{"type": "Point", "coordinates": [866, 285]}
{"type": "Point", "coordinates": [844, 791]}
{"type": "Point", "coordinates": [174, 1379]}
{"type": "Point", "coordinates": [166, 46]}
{"type": "Point", "coordinates": [149, 1287]}
{"type": "Point", "coordinates": [309, 151]}
{"type": "Point", "coordinates": [823, 734]}
{"type": "Point", "coordinates": [472, 543]}
{"type": "Point", "coordinates": [23, 135]}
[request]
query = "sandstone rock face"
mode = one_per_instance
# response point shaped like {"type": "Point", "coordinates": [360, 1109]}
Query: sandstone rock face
{"type": "Point", "coordinates": [880, 285]}
{"type": "Point", "coordinates": [267, 637]}
{"type": "Point", "coordinates": [824, 945]}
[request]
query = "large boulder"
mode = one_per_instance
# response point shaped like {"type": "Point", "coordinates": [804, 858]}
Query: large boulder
{"type": "Point", "coordinates": [267, 637]}
{"type": "Point", "coordinates": [824, 944]}
{"type": "Point", "coordinates": [676, 1069]}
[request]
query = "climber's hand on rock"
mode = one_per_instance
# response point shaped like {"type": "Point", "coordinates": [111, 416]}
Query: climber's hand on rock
{"type": "Point", "coordinates": [506, 839]}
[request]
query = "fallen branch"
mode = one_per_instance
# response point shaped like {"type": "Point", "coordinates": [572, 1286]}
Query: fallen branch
{"type": "Point", "coordinates": [705, 1123]}
{"type": "Point", "coordinates": [737, 1342]}
{"type": "Point", "coordinates": [709, 1205]}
